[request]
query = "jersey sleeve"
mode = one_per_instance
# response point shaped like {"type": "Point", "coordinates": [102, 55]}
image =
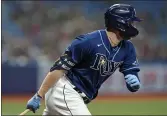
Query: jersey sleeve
{"type": "Point", "coordinates": [73, 55]}
{"type": "Point", "coordinates": [130, 64]}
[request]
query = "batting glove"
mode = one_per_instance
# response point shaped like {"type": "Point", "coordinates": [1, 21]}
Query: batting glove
{"type": "Point", "coordinates": [34, 103]}
{"type": "Point", "coordinates": [132, 81]}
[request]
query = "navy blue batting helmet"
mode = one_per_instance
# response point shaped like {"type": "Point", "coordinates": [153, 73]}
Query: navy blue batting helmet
{"type": "Point", "coordinates": [121, 18]}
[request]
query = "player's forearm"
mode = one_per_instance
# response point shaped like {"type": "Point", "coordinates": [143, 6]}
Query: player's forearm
{"type": "Point", "coordinates": [49, 81]}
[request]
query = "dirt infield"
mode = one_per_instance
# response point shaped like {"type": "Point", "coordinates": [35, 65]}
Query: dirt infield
{"type": "Point", "coordinates": [116, 97]}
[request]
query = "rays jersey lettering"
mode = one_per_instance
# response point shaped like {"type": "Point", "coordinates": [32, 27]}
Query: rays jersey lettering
{"type": "Point", "coordinates": [105, 66]}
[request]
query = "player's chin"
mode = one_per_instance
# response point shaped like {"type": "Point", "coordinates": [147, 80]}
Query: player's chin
{"type": "Point", "coordinates": [119, 37]}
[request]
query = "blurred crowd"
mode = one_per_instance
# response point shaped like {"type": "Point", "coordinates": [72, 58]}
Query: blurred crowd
{"type": "Point", "coordinates": [41, 30]}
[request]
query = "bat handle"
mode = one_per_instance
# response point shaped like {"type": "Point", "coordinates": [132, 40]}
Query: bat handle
{"type": "Point", "coordinates": [25, 112]}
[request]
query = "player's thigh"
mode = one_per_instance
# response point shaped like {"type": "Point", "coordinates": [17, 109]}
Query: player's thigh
{"type": "Point", "coordinates": [74, 102]}
{"type": "Point", "coordinates": [64, 100]}
{"type": "Point", "coordinates": [54, 102]}
{"type": "Point", "coordinates": [46, 112]}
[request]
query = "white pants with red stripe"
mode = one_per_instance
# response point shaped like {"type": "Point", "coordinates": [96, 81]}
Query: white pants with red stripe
{"type": "Point", "coordinates": [62, 99]}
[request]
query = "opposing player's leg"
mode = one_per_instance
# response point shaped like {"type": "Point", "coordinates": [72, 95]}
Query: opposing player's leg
{"type": "Point", "coordinates": [62, 99]}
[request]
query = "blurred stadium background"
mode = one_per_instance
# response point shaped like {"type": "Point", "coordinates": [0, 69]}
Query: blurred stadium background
{"type": "Point", "coordinates": [35, 33]}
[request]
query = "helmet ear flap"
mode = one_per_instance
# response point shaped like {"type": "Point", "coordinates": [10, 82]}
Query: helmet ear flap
{"type": "Point", "coordinates": [129, 32]}
{"type": "Point", "coordinates": [121, 27]}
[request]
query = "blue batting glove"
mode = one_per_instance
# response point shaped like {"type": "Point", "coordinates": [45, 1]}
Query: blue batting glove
{"type": "Point", "coordinates": [34, 103]}
{"type": "Point", "coordinates": [132, 81]}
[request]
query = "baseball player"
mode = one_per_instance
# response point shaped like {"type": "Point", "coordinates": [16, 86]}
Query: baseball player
{"type": "Point", "coordinates": [75, 78]}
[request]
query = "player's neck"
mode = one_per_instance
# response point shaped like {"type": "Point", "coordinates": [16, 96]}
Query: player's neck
{"type": "Point", "coordinates": [114, 41]}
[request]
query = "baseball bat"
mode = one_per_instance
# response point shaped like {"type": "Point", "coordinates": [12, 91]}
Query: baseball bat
{"type": "Point", "coordinates": [25, 112]}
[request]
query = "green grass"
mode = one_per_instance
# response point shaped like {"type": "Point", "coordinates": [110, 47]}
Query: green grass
{"type": "Point", "coordinates": [102, 108]}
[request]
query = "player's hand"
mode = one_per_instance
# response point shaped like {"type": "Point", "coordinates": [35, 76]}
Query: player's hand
{"type": "Point", "coordinates": [34, 103]}
{"type": "Point", "coordinates": [132, 81]}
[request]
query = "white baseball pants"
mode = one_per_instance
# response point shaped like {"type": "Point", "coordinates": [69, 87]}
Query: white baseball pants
{"type": "Point", "coordinates": [62, 99]}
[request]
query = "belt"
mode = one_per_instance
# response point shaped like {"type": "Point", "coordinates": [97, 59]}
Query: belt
{"type": "Point", "coordinates": [82, 94]}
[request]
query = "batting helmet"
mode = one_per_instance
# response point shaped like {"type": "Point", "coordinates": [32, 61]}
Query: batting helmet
{"type": "Point", "coordinates": [121, 18]}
